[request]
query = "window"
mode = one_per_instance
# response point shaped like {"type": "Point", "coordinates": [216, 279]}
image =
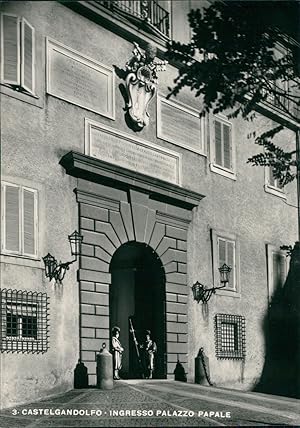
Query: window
{"type": "Point", "coordinates": [222, 156]}
{"type": "Point", "coordinates": [21, 323]}
{"type": "Point", "coordinates": [272, 184]}
{"type": "Point", "coordinates": [277, 266]}
{"type": "Point", "coordinates": [17, 53]}
{"type": "Point", "coordinates": [24, 321]}
{"type": "Point", "coordinates": [226, 250]}
{"type": "Point", "coordinates": [226, 253]}
{"type": "Point", "coordinates": [230, 336]}
{"type": "Point", "coordinates": [19, 220]}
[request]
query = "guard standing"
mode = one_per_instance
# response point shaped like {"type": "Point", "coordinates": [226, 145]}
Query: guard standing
{"type": "Point", "coordinates": [117, 351]}
{"type": "Point", "coordinates": [148, 351]}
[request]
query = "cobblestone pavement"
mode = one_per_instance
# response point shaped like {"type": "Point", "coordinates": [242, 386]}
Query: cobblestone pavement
{"type": "Point", "coordinates": [153, 403]}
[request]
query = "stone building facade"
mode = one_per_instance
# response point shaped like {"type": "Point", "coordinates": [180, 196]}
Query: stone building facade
{"type": "Point", "coordinates": [159, 207]}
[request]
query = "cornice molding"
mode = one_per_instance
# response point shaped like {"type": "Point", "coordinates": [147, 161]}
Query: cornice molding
{"type": "Point", "coordinates": [96, 170]}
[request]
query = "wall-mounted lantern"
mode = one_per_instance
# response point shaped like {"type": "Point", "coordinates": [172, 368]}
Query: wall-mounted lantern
{"type": "Point", "coordinates": [203, 294]}
{"type": "Point", "coordinates": [56, 270]}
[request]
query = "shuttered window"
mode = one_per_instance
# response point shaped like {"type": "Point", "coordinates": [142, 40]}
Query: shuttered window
{"type": "Point", "coordinates": [19, 220]}
{"type": "Point", "coordinates": [222, 144]}
{"type": "Point", "coordinates": [17, 53]}
{"type": "Point", "coordinates": [226, 249]}
{"type": "Point", "coordinates": [226, 253]}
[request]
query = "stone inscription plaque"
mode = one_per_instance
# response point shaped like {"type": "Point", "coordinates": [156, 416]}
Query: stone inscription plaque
{"type": "Point", "coordinates": [80, 80]}
{"type": "Point", "coordinates": [137, 155]}
{"type": "Point", "coordinates": [179, 125]}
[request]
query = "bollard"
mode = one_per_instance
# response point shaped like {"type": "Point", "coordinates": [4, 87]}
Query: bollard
{"type": "Point", "coordinates": [80, 376]}
{"type": "Point", "coordinates": [104, 369]}
{"type": "Point", "coordinates": [179, 372]}
{"type": "Point", "coordinates": [202, 368]}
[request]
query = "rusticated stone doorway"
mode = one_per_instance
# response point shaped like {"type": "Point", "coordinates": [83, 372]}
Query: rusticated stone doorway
{"type": "Point", "coordinates": [119, 209]}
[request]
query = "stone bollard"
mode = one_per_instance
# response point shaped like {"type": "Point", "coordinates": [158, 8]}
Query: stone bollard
{"type": "Point", "coordinates": [104, 369]}
{"type": "Point", "coordinates": [80, 376]}
{"type": "Point", "coordinates": [179, 372]}
{"type": "Point", "coordinates": [202, 368]}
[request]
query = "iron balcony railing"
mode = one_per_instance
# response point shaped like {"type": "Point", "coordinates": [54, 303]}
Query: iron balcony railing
{"type": "Point", "coordinates": [288, 101]}
{"type": "Point", "coordinates": [148, 11]}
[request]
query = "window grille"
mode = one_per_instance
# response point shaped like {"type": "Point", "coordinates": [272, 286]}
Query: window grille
{"type": "Point", "coordinates": [24, 321]}
{"type": "Point", "coordinates": [230, 338]}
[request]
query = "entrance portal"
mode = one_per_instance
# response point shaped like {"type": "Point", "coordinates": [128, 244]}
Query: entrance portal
{"type": "Point", "coordinates": [138, 292]}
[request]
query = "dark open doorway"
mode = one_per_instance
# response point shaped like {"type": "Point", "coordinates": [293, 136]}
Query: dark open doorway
{"type": "Point", "coordinates": [138, 291]}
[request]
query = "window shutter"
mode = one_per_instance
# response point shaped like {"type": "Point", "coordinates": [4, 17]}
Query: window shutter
{"type": "Point", "coordinates": [282, 269]}
{"type": "Point", "coordinates": [27, 57]}
{"type": "Point", "coordinates": [227, 146]}
{"type": "Point", "coordinates": [230, 262]}
{"type": "Point", "coordinates": [272, 180]}
{"type": "Point", "coordinates": [218, 142]}
{"type": "Point", "coordinates": [279, 270]}
{"type": "Point", "coordinates": [10, 48]}
{"type": "Point", "coordinates": [12, 219]}
{"type": "Point", "coordinates": [222, 252]}
{"type": "Point", "coordinates": [29, 222]}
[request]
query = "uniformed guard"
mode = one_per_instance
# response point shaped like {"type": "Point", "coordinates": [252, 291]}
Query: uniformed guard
{"type": "Point", "coordinates": [117, 350]}
{"type": "Point", "coordinates": [148, 351]}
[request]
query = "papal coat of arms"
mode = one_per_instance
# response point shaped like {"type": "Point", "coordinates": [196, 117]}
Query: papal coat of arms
{"type": "Point", "coordinates": [141, 83]}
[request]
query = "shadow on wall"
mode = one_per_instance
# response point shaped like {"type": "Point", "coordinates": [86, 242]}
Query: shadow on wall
{"type": "Point", "coordinates": [281, 372]}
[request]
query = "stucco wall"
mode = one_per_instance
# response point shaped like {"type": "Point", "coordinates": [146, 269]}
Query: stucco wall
{"type": "Point", "coordinates": [36, 133]}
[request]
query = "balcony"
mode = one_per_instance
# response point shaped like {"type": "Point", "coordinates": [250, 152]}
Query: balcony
{"type": "Point", "coordinates": [146, 14]}
{"type": "Point", "coordinates": [287, 103]}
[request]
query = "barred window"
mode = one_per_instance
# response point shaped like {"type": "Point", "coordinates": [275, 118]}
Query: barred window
{"type": "Point", "coordinates": [24, 321]}
{"type": "Point", "coordinates": [230, 336]}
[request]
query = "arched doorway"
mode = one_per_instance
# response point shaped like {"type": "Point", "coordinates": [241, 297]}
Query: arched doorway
{"type": "Point", "coordinates": [138, 291]}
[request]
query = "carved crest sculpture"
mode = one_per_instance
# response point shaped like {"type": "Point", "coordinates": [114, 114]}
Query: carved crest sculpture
{"type": "Point", "coordinates": [141, 83]}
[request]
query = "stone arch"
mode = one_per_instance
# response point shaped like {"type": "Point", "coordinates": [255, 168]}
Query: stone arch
{"type": "Point", "coordinates": [137, 291]}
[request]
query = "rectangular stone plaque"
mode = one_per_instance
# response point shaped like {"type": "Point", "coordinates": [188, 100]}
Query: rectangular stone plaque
{"type": "Point", "coordinates": [180, 125]}
{"type": "Point", "coordinates": [122, 149]}
{"type": "Point", "coordinates": [79, 80]}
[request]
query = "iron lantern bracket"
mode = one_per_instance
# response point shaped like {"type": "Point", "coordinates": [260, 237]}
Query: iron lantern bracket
{"type": "Point", "coordinates": [203, 294]}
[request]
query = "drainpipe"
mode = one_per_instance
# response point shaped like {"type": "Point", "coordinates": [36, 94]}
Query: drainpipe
{"type": "Point", "coordinates": [298, 177]}
{"type": "Point", "coordinates": [296, 267]}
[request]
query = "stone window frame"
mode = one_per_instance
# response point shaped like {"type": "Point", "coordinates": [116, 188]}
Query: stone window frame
{"type": "Point", "coordinates": [214, 166]}
{"type": "Point", "coordinates": [230, 343]}
{"type": "Point", "coordinates": [19, 259]}
{"type": "Point", "coordinates": [21, 190]}
{"type": "Point", "coordinates": [19, 84]}
{"type": "Point", "coordinates": [227, 236]}
{"type": "Point", "coordinates": [271, 184]}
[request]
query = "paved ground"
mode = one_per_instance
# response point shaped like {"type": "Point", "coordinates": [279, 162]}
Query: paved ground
{"type": "Point", "coordinates": [155, 404]}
